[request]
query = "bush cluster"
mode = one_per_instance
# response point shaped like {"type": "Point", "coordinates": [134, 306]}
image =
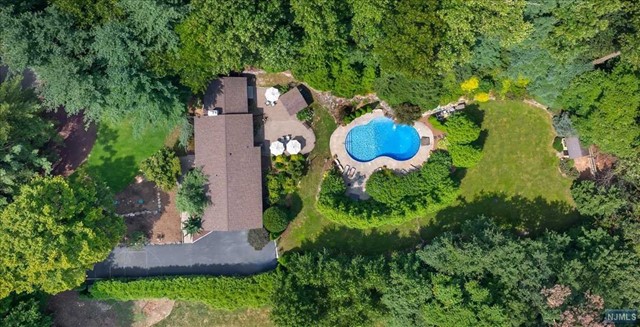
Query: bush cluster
{"type": "Point", "coordinates": [462, 134]}
{"type": "Point", "coordinates": [395, 199]}
{"type": "Point", "coordinates": [567, 167]}
{"type": "Point", "coordinates": [305, 115]}
{"type": "Point", "coordinates": [163, 168]}
{"type": "Point", "coordinates": [351, 113]}
{"type": "Point", "coordinates": [284, 176]}
{"type": "Point", "coordinates": [227, 293]}
{"type": "Point", "coordinates": [275, 219]}
{"type": "Point", "coordinates": [192, 197]}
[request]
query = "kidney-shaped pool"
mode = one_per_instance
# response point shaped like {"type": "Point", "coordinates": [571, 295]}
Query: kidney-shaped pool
{"type": "Point", "coordinates": [382, 137]}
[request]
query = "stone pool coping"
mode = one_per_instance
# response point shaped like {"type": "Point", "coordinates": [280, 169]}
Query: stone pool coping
{"type": "Point", "coordinates": [356, 186]}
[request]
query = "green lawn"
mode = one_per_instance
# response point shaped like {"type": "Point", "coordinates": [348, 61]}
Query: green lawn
{"type": "Point", "coordinates": [117, 153]}
{"type": "Point", "coordinates": [517, 177]}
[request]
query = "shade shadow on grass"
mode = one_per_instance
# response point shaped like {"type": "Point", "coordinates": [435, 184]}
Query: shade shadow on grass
{"type": "Point", "coordinates": [69, 309]}
{"type": "Point", "coordinates": [340, 239]}
{"type": "Point", "coordinates": [118, 151]}
{"type": "Point", "coordinates": [522, 215]}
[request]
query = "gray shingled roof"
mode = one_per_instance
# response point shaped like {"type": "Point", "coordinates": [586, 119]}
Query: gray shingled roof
{"type": "Point", "coordinates": [228, 94]}
{"type": "Point", "coordinates": [225, 150]}
{"type": "Point", "coordinates": [573, 147]}
{"type": "Point", "coordinates": [293, 101]}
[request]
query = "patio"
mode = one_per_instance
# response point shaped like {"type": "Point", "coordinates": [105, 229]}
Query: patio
{"type": "Point", "coordinates": [356, 181]}
{"type": "Point", "coordinates": [278, 123]}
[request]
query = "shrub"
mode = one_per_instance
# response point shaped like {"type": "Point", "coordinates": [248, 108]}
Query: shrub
{"type": "Point", "coordinates": [138, 240]}
{"type": "Point", "coordinates": [305, 115]}
{"type": "Point", "coordinates": [482, 97]}
{"type": "Point", "coordinates": [464, 155]}
{"type": "Point", "coordinates": [350, 113]}
{"type": "Point", "coordinates": [407, 113]}
{"type": "Point", "coordinates": [284, 176]}
{"type": "Point", "coordinates": [192, 197]}
{"type": "Point", "coordinates": [163, 168]}
{"type": "Point", "coordinates": [563, 125]}
{"type": "Point", "coordinates": [25, 314]}
{"type": "Point", "coordinates": [226, 293]}
{"type": "Point", "coordinates": [192, 226]}
{"type": "Point", "coordinates": [470, 85]}
{"type": "Point", "coordinates": [557, 144]}
{"type": "Point", "coordinates": [275, 219]}
{"type": "Point", "coordinates": [258, 238]}
{"type": "Point", "coordinates": [462, 132]}
{"type": "Point", "coordinates": [461, 129]}
{"type": "Point", "coordinates": [419, 192]}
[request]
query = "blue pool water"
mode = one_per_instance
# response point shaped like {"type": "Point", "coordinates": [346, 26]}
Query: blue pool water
{"type": "Point", "coordinates": [382, 137]}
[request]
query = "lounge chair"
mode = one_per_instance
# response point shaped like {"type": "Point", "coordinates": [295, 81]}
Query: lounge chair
{"type": "Point", "coordinates": [352, 173]}
{"type": "Point", "coordinates": [346, 169]}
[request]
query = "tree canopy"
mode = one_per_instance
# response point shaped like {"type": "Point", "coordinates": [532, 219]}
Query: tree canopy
{"type": "Point", "coordinates": [53, 232]}
{"type": "Point", "coordinates": [23, 136]}
{"type": "Point", "coordinates": [480, 276]}
{"type": "Point", "coordinates": [104, 64]}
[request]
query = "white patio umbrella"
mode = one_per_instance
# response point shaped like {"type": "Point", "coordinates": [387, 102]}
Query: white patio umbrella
{"type": "Point", "coordinates": [293, 147]}
{"type": "Point", "coordinates": [272, 94]}
{"type": "Point", "coordinates": [276, 148]}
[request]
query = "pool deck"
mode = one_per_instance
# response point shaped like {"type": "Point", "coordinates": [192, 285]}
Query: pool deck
{"type": "Point", "coordinates": [356, 180]}
{"type": "Point", "coordinates": [278, 123]}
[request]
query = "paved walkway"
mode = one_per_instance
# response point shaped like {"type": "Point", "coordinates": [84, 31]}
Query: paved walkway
{"type": "Point", "coordinates": [279, 123]}
{"type": "Point", "coordinates": [219, 253]}
{"type": "Point", "coordinates": [356, 185]}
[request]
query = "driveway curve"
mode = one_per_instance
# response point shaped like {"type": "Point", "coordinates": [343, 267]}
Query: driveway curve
{"type": "Point", "coordinates": [218, 253]}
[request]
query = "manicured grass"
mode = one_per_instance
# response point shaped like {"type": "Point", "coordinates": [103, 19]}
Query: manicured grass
{"type": "Point", "coordinates": [187, 314]}
{"type": "Point", "coordinates": [117, 153]}
{"type": "Point", "coordinates": [517, 179]}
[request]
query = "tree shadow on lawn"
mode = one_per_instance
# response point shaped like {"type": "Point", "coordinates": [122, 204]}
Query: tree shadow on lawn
{"type": "Point", "coordinates": [523, 215]}
{"type": "Point", "coordinates": [71, 309]}
{"type": "Point", "coordinates": [340, 239]}
{"type": "Point", "coordinates": [117, 173]}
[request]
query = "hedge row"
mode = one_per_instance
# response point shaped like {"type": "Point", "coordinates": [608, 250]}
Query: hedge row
{"type": "Point", "coordinates": [227, 293]}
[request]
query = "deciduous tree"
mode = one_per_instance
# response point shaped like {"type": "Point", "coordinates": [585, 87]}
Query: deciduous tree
{"type": "Point", "coordinates": [53, 232]}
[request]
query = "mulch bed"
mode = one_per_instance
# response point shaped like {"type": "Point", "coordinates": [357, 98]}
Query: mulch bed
{"type": "Point", "coordinates": [160, 221]}
{"type": "Point", "coordinates": [77, 141]}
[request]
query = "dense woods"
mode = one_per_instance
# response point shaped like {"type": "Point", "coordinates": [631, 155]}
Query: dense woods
{"type": "Point", "coordinates": [135, 59]}
{"type": "Point", "coordinates": [480, 276]}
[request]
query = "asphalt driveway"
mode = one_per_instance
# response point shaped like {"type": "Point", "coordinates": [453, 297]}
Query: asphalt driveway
{"type": "Point", "coordinates": [219, 253]}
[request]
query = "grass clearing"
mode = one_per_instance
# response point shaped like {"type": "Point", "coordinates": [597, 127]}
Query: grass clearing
{"type": "Point", "coordinates": [187, 314]}
{"type": "Point", "coordinates": [117, 153]}
{"type": "Point", "coordinates": [518, 178]}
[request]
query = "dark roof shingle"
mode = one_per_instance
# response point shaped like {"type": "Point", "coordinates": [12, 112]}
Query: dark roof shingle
{"type": "Point", "coordinates": [225, 150]}
{"type": "Point", "coordinates": [293, 101]}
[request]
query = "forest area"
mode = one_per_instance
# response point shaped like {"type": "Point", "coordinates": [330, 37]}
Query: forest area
{"type": "Point", "coordinates": [141, 61]}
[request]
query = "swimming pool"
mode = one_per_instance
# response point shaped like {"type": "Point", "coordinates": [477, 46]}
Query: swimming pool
{"type": "Point", "coordinates": [382, 137]}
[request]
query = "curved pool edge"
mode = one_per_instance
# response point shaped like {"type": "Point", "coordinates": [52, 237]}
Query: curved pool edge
{"type": "Point", "coordinates": [382, 137]}
{"type": "Point", "coordinates": [336, 146]}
